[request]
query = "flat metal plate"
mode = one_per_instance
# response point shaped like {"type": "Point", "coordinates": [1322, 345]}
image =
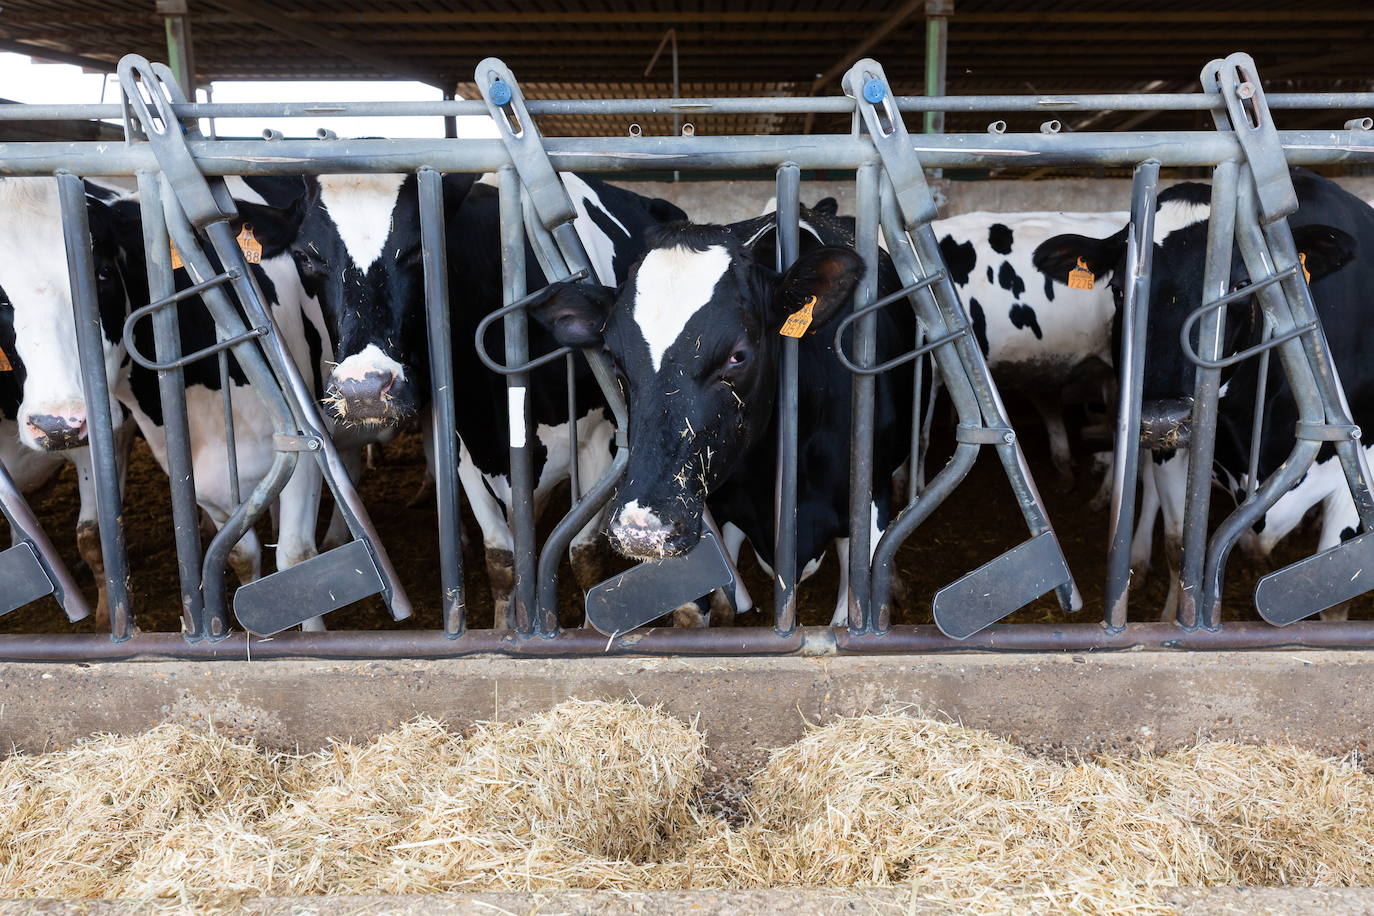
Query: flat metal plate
{"type": "Point", "coordinates": [22, 578]}
{"type": "Point", "coordinates": [1001, 586]}
{"type": "Point", "coordinates": [319, 585]}
{"type": "Point", "coordinates": [1317, 583]}
{"type": "Point", "coordinates": [638, 596]}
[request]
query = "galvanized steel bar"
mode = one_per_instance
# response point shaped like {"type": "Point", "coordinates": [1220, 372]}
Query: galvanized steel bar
{"type": "Point", "coordinates": [937, 57]}
{"type": "Point", "coordinates": [862, 618]}
{"type": "Point", "coordinates": [522, 613]}
{"type": "Point", "coordinates": [25, 527]}
{"type": "Point", "coordinates": [172, 392]}
{"type": "Point", "coordinates": [1216, 282]}
{"type": "Point", "coordinates": [443, 428]}
{"type": "Point", "coordinates": [1135, 312]}
{"type": "Point", "coordinates": [788, 188]}
{"type": "Point", "coordinates": [90, 338]}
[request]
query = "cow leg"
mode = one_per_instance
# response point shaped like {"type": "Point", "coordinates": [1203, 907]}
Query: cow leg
{"type": "Point", "coordinates": [1171, 484]}
{"type": "Point", "coordinates": [299, 508]}
{"type": "Point", "coordinates": [425, 492]}
{"type": "Point", "coordinates": [587, 552]}
{"type": "Point", "coordinates": [338, 534]}
{"type": "Point", "coordinates": [1143, 542]}
{"type": "Point", "coordinates": [1340, 523]}
{"type": "Point", "coordinates": [840, 618]}
{"type": "Point", "coordinates": [1102, 464]}
{"type": "Point", "coordinates": [497, 539]}
{"type": "Point", "coordinates": [1060, 454]}
{"type": "Point", "coordinates": [88, 533]}
{"type": "Point", "coordinates": [732, 539]}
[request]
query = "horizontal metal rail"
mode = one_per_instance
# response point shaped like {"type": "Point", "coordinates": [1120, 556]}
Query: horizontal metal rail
{"type": "Point", "coordinates": [699, 153]}
{"type": "Point", "coordinates": [1164, 101]}
{"type": "Point", "coordinates": [727, 641]}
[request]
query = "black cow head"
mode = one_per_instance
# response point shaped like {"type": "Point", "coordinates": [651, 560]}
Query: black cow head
{"type": "Point", "coordinates": [356, 243]}
{"type": "Point", "coordinates": [694, 335]}
{"type": "Point", "coordinates": [1176, 287]}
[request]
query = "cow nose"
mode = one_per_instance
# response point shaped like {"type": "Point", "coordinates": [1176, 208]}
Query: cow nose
{"type": "Point", "coordinates": [53, 432]}
{"type": "Point", "coordinates": [640, 534]}
{"type": "Point", "coordinates": [365, 399]}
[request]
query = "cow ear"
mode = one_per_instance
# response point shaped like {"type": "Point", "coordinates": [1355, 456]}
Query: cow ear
{"type": "Point", "coordinates": [275, 228]}
{"type": "Point", "coordinates": [456, 187]}
{"type": "Point", "coordinates": [1056, 256]}
{"type": "Point", "coordinates": [828, 273]}
{"type": "Point", "coordinates": [663, 211]}
{"type": "Point", "coordinates": [826, 206]}
{"type": "Point", "coordinates": [1325, 249]}
{"type": "Point", "coordinates": [575, 313]}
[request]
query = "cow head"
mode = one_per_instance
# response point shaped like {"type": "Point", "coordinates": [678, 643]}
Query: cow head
{"type": "Point", "coordinates": [39, 329]}
{"type": "Point", "coordinates": [693, 333]}
{"type": "Point", "coordinates": [1176, 281]}
{"type": "Point", "coordinates": [356, 243]}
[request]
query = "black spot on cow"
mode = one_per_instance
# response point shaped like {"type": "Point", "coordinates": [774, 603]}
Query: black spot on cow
{"type": "Point", "coordinates": [1049, 288]}
{"type": "Point", "coordinates": [990, 274]}
{"type": "Point", "coordinates": [1023, 316]}
{"type": "Point", "coordinates": [1162, 455]}
{"type": "Point", "coordinates": [999, 237]}
{"type": "Point", "coordinates": [1347, 533]}
{"type": "Point", "coordinates": [1258, 527]}
{"type": "Point", "coordinates": [960, 259]}
{"type": "Point", "coordinates": [980, 324]}
{"type": "Point", "coordinates": [1010, 280]}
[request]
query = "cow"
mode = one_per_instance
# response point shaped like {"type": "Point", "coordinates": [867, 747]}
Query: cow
{"type": "Point", "coordinates": [50, 411]}
{"type": "Point", "coordinates": [694, 334]}
{"type": "Point", "coordinates": [1331, 228]}
{"type": "Point", "coordinates": [1038, 335]}
{"type": "Point", "coordinates": [356, 241]}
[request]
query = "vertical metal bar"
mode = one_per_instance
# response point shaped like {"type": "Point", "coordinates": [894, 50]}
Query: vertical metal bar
{"type": "Point", "coordinates": [1257, 414]}
{"type": "Point", "coordinates": [180, 57]}
{"type": "Point", "coordinates": [450, 122]}
{"type": "Point", "coordinates": [937, 42]}
{"type": "Point", "coordinates": [521, 614]}
{"type": "Point", "coordinates": [172, 390]}
{"type": "Point", "coordinates": [434, 253]}
{"type": "Point", "coordinates": [574, 444]}
{"type": "Point", "coordinates": [861, 434]}
{"type": "Point", "coordinates": [1135, 311]}
{"type": "Point", "coordinates": [231, 451]}
{"type": "Point", "coordinates": [1216, 282]}
{"type": "Point", "coordinates": [785, 504]}
{"type": "Point", "coordinates": [90, 336]}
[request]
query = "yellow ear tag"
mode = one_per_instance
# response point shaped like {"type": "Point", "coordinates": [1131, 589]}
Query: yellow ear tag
{"type": "Point", "coordinates": [797, 322]}
{"type": "Point", "coordinates": [5, 363]}
{"type": "Point", "coordinates": [1080, 277]}
{"type": "Point", "coordinates": [1302, 259]}
{"type": "Point", "coordinates": [250, 246]}
{"type": "Point", "coordinates": [176, 258]}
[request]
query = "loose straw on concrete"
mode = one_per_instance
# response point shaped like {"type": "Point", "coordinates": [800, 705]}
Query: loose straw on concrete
{"type": "Point", "coordinates": [607, 795]}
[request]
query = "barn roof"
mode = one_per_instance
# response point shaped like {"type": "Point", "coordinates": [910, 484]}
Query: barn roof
{"type": "Point", "coordinates": [600, 48]}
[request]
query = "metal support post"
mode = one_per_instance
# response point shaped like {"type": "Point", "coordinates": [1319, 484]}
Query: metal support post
{"type": "Point", "coordinates": [785, 504]}
{"type": "Point", "coordinates": [937, 58]}
{"type": "Point", "coordinates": [180, 55]}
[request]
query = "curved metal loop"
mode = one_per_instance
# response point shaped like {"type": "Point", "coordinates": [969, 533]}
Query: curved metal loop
{"type": "Point", "coordinates": [492, 317]}
{"type": "Point", "coordinates": [139, 314]}
{"type": "Point", "coordinates": [885, 301]}
{"type": "Point", "coordinates": [135, 73]}
{"type": "Point", "coordinates": [1186, 333]}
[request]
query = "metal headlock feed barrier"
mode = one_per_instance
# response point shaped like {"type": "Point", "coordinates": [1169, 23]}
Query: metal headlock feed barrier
{"type": "Point", "coordinates": [186, 204]}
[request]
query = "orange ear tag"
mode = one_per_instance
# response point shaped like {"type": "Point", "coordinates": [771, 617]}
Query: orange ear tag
{"type": "Point", "coordinates": [250, 246]}
{"type": "Point", "coordinates": [5, 363]}
{"type": "Point", "coordinates": [1302, 259]}
{"type": "Point", "coordinates": [797, 322]}
{"type": "Point", "coordinates": [1080, 277]}
{"type": "Point", "coordinates": [176, 258]}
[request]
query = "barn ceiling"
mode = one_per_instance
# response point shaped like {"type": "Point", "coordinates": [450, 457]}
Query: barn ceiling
{"type": "Point", "coordinates": [600, 48]}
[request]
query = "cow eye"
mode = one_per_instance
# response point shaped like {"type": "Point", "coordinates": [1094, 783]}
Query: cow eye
{"type": "Point", "coordinates": [738, 358]}
{"type": "Point", "coordinates": [310, 260]}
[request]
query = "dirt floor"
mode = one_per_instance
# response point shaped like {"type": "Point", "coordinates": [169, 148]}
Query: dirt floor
{"type": "Point", "coordinates": [979, 521]}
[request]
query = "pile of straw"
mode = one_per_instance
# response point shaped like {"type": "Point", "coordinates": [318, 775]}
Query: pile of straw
{"type": "Point", "coordinates": [607, 795]}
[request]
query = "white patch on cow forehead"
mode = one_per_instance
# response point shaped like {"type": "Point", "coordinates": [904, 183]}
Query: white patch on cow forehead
{"type": "Point", "coordinates": [361, 208]}
{"type": "Point", "coordinates": [672, 285]}
{"type": "Point", "coordinates": [1174, 215]}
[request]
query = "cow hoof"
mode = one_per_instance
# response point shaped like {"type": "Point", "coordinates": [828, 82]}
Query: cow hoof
{"type": "Point", "coordinates": [722, 614]}
{"type": "Point", "coordinates": [690, 616]}
{"type": "Point", "coordinates": [501, 575]}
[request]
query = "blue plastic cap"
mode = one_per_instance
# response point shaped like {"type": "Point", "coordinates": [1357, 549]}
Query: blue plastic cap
{"type": "Point", "coordinates": [874, 91]}
{"type": "Point", "coordinates": [500, 92]}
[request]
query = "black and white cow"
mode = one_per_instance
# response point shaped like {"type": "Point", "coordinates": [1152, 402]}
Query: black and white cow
{"type": "Point", "coordinates": [694, 334]}
{"type": "Point", "coordinates": [51, 411]}
{"type": "Point", "coordinates": [1335, 231]}
{"type": "Point", "coordinates": [356, 240]}
{"type": "Point", "coordinates": [1038, 335]}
